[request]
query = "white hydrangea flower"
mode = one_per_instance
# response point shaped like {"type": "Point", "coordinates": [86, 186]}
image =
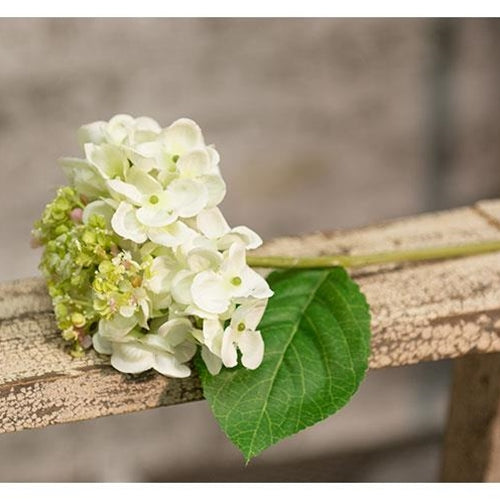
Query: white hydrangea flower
{"type": "Point", "coordinates": [158, 191]}
{"type": "Point", "coordinates": [213, 291]}
{"type": "Point", "coordinates": [242, 334]}
{"type": "Point", "coordinates": [166, 351]}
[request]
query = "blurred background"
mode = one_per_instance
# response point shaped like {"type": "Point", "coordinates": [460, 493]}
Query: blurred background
{"type": "Point", "coordinates": [320, 124]}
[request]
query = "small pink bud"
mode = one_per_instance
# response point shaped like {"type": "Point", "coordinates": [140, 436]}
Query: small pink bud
{"type": "Point", "coordinates": [112, 305]}
{"type": "Point", "coordinates": [86, 341]}
{"type": "Point", "coordinates": [35, 242]}
{"type": "Point", "coordinates": [76, 215]}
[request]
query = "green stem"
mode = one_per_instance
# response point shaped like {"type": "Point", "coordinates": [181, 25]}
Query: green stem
{"type": "Point", "coordinates": [394, 256]}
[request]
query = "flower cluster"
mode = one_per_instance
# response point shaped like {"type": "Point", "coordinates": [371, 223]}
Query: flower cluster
{"type": "Point", "coordinates": [139, 260]}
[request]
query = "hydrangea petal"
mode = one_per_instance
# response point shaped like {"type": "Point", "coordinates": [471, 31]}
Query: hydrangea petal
{"type": "Point", "coordinates": [189, 197]}
{"type": "Point", "coordinates": [101, 344]}
{"type": "Point", "coordinates": [83, 176]}
{"type": "Point", "coordinates": [143, 181]}
{"type": "Point", "coordinates": [109, 160]}
{"type": "Point", "coordinates": [210, 292]}
{"type": "Point", "coordinates": [124, 222]}
{"type": "Point", "coordinates": [181, 287]}
{"type": "Point", "coordinates": [240, 234]}
{"type": "Point", "coordinates": [182, 136]}
{"type": "Point", "coordinates": [121, 189]}
{"type": "Point", "coordinates": [161, 274]}
{"type": "Point", "coordinates": [156, 216]}
{"type": "Point", "coordinates": [251, 345]}
{"type": "Point", "coordinates": [175, 331]}
{"type": "Point", "coordinates": [172, 235]}
{"type": "Point", "coordinates": [212, 223]}
{"type": "Point", "coordinates": [117, 327]}
{"type": "Point", "coordinates": [212, 361]}
{"type": "Point", "coordinates": [195, 164]}
{"type": "Point", "coordinates": [229, 355]}
{"type": "Point", "coordinates": [168, 365]}
{"type": "Point", "coordinates": [92, 132]}
{"type": "Point", "coordinates": [201, 259]}
{"type": "Point", "coordinates": [212, 335]}
{"type": "Point", "coordinates": [254, 285]}
{"type": "Point", "coordinates": [249, 313]}
{"type": "Point", "coordinates": [216, 189]}
{"type": "Point", "coordinates": [100, 208]}
{"type": "Point", "coordinates": [131, 357]}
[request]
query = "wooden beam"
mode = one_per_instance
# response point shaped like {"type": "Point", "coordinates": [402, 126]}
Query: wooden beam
{"type": "Point", "coordinates": [472, 441]}
{"type": "Point", "coordinates": [424, 311]}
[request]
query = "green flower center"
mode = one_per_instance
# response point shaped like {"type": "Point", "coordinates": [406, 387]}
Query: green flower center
{"type": "Point", "coordinates": [241, 326]}
{"type": "Point", "coordinates": [153, 199]}
{"type": "Point", "coordinates": [175, 158]}
{"type": "Point", "coordinates": [236, 281]}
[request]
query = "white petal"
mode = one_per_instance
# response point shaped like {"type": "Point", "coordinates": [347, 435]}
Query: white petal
{"type": "Point", "coordinates": [194, 164]}
{"type": "Point", "coordinates": [185, 351]}
{"type": "Point", "coordinates": [212, 335]}
{"type": "Point", "coordinates": [228, 353]}
{"type": "Point", "coordinates": [212, 361]}
{"type": "Point", "coordinates": [109, 160]}
{"type": "Point", "coordinates": [160, 301]}
{"type": "Point", "coordinates": [212, 224]}
{"type": "Point", "coordinates": [131, 358]}
{"type": "Point", "coordinates": [126, 225]}
{"type": "Point", "coordinates": [175, 331]}
{"type": "Point", "coordinates": [168, 365]}
{"type": "Point", "coordinates": [101, 344]}
{"type": "Point", "coordinates": [182, 136]}
{"type": "Point", "coordinates": [98, 207]}
{"type": "Point", "coordinates": [172, 235]}
{"type": "Point", "coordinates": [118, 128]}
{"type": "Point", "coordinates": [189, 197]}
{"type": "Point", "coordinates": [161, 274]}
{"type": "Point", "coordinates": [117, 327]}
{"type": "Point", "coordinates": [83, 176]}
{"type": "Point", "coordinates": [125, 190]}
{"type": "Point", "coordinates": [127, 311]}
{"type": "Point", "coordinates": [235, 261]}
{"type": "Point", "coordinates": [251, 346]}
{"type": "Point", "coordinates": [92, 132]}
{"type": "Point", "coordinates": [210, 292]}
{"type": "Point", "coordinates": [201, 259]}
{"type": "Point", "coordinates": [181, 287]}
{"type": "Point", "coordinates": [193, 310]}
{"type": "Point", "coordinates": [216, 189]}
{"type": "Point", "coordinates": [254, 285]}
{"type": "Point", "coordinates": [157, 214]}
{"type": "Point", "coordinates": [241, 234]}
{"type": "Point", "coordinates": [249, 313]}
{"type": "Point", "coordinates": [214, 158]}
{"type": "Point", "coordinates": [146, 124]}
{"type": "Point", "coordinates": [143, 181]}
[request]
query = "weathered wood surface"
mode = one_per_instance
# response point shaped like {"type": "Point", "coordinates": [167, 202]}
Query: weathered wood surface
{"type": "Point", "coordinates": [424, 311]}
{"type": "Point", "coordinates": [472, 441]}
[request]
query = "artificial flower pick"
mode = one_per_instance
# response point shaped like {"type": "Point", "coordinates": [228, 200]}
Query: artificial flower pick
{"type": "Point", "coordinates": [142, 266]}
{"type": "Point", "coordinates": [141, 263]}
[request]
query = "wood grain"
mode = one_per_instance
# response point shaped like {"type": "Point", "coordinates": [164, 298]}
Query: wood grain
{"type": "Point", "coordinates": [472, 441]}
{"type": "Point", "coordinates": [420, 312]}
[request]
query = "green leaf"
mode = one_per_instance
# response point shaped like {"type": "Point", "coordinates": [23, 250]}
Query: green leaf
{"type": "Point", "coordinates": [316, 331]}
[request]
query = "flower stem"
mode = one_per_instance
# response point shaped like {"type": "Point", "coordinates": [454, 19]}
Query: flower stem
{"type": "Point", "coordinates": [394, 256]}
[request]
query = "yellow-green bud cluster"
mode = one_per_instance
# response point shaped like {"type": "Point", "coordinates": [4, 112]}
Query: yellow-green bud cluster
{"type": "Point", "coordinates": [56, 219]}
{"type": "Point", "coordinates": [116, 285]}
{"type": "Point", "coordinates": [73, 253]}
